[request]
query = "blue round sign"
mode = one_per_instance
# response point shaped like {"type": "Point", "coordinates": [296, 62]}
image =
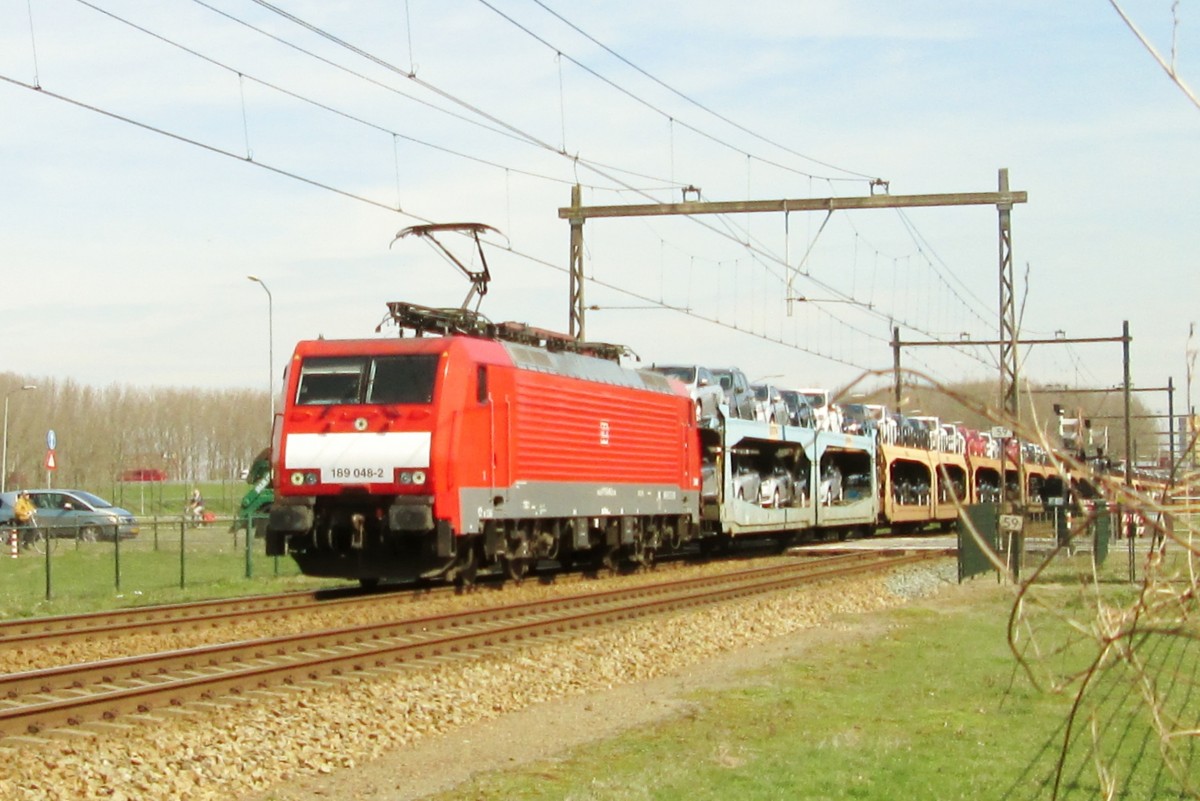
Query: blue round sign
{"type": "Point", "coordinates": [51, 440]}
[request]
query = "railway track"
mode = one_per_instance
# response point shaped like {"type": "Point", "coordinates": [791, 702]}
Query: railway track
{"type": "Point", "coordinates": [169, 618]}
{"type": "Point", "coordinates": [212, 614]}
{"type": "Point", "coordinates": [36, 702]}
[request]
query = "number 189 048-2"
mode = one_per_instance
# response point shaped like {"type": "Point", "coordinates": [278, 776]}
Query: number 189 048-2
{"type": "Point", "coordinates": [355, 473]}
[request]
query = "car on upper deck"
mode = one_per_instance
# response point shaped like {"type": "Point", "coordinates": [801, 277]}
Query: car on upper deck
{"type": "Point", "coordinates": [769, 406]}
{"type": "Point", "coordinates": [826, 414]}
{"type": "Point", "coordinates": [800, 411]}
{"type": "Point", "coordinates": [738, 394]}
{"type": "Point", "coordinates": [702, 385]}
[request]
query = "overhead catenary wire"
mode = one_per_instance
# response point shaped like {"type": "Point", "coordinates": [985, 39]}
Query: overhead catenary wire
{"type": "Point", "coordinates": [513, 129]}
{"type": "Point", "coordinates": [628, 93]}
{"type": "Point", "coordinates": [338, 112]}
{"type": "Point", "coordinates": [362, 198]}
{"type": "Point", "coordinates": [758, 254]}
{"type": "Point", "coordinates": [210, 148]}
{"type": "Point", "coordinates": [510, 132]}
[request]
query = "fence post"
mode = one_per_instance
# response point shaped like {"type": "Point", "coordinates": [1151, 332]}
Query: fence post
{"type": "Point", "coordinates": [49, 592]}
{"type": "Point", "coordinates": [182, 550]}
{"type": "Point", "coordinates": [249, 551]}
{"type": "Point", "coordinates": [117, 553]}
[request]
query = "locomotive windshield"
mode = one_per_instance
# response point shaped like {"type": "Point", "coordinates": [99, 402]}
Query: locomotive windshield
{"type": "Point", "coordinates": [331, 380]}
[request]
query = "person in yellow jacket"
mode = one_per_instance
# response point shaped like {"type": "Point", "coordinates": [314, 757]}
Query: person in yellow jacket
{"type": "Point", "coordinates": [24, 513]}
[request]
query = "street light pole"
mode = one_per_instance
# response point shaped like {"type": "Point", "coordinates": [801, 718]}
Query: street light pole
{"type": "Point", "coordinates": [4, 458]}
{"type": "Point", "coordinates": [270, 344]}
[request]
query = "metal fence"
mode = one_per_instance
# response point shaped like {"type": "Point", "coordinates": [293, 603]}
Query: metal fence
{"type": "Point", "coordinates": [166, 552]}
{"type": "Point", "coordinates": [984, 539]}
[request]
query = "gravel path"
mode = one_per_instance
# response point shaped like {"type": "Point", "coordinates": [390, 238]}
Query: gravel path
{"type": "Point", "coordinates": [375, 737]}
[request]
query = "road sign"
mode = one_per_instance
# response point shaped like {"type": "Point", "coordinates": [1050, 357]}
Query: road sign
{"type": "Point", "coordinates": [1011, 523]}
{"type": "Point", "coordinates": [50, 463]}
{"type": "Point", "coordinates": [51, 440]}
{"type": "Point", "coordinates": [1000, 432]}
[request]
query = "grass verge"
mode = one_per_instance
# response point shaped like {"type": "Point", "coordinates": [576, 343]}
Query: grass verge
{"type": "Point", "coordinates": [922, 702]}
{"type": "Point", "coordinates": [154, 568]}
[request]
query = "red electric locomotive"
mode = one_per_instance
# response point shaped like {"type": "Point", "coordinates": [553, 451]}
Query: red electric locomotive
{"type": "Point", "coordinates": [480, 446]}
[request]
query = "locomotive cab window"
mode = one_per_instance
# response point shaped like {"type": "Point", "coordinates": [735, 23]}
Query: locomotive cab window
{"type": "Point", "coordinates": [332, 380]}
{"type": "Point", "coordinates": [402, 379]}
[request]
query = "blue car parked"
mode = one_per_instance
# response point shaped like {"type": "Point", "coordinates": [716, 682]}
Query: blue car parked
{"type": "Point", "coordinates": [73, 513]}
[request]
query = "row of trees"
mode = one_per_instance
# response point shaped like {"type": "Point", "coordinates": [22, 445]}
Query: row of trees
{"type": "Point", "coordinates": [105, 433]}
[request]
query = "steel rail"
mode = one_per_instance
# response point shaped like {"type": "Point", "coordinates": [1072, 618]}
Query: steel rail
{"type": "Point", "coordinates": [174, 618]}
{"type": "Point", "coordinates": [35, 705]}
{"type": "Point", "coordinates": [139, 667]}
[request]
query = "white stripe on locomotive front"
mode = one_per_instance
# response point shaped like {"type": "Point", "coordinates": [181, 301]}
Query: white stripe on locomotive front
{"type": "Point", "coordinates": [387, 450]}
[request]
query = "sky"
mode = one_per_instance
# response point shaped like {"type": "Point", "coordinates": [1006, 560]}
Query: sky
{"type": "Point", "coordinates": [153, 155]}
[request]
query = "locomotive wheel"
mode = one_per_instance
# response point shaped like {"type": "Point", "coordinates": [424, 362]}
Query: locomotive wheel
{"type": "Point", "coordinates": [649, 559]}
{"type": "Point", "coordinates": [516, 569]}
{"type": "Point", "coordinates": [610, 560]}
{"type": "Point", "coordinates": [464, 574]}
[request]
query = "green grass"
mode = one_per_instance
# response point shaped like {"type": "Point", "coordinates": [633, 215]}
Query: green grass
{"type": "Point", "coordinates": [169, 498]}
{"type": "Point", "coordinates": [932, 709]}
{"type": "Point", "coordinates": [84, 574]}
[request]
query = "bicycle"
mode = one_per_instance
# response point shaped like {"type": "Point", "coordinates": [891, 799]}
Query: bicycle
{"type": "Point", "coordinates": [37, 538]}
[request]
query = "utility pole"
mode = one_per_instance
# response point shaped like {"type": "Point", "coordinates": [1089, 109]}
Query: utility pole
{"type": "Point", "coordinates": [577, 214]}
{"type": "Point", "coordinates": [1190, 365]}
{"type": "Point", "coordinates": [896, 376]}
{"type": "Point", "coordinates": [1009, 396]}
{"type": "Point", "coordinates": [575, 328]}
{"type": "Point", "coordinates": [1171, 453]}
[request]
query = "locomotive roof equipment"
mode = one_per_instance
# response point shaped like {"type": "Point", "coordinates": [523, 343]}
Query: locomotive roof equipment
{"type": "Point", "coordinates": [479, 278]}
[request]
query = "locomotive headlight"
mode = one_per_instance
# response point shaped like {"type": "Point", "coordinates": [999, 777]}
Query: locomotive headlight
{"type": "Point", "coordinates": [297, 478]}
{"type": "Point", "coordinates": [360, 424]}
{"type": "Point", "coordinates": [310, 478]}
{"type": "Point", "coordinates": [405, 477]}
{"type": "Point", "coordinates": [418, 477]}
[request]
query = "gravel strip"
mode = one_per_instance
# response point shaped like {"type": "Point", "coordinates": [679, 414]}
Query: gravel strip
{"type": "Point", "coordinates": [238, 747]}
{"type": "Point", "coordinates": [383, 609]}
